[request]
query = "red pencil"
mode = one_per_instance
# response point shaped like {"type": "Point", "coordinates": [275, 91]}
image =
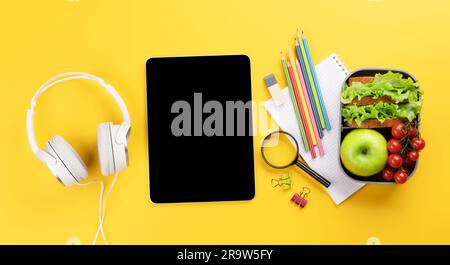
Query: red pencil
{"type": "Point", "coordinates": [302, 112]}
{"type": "Point", "coordinates": [308, 104]}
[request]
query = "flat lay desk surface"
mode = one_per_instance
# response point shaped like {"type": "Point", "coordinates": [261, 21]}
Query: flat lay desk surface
{"type": "Point", "coordinates": [113, 39]}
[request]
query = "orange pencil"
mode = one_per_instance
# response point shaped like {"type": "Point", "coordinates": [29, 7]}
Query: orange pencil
{"type": "Point", "coordinates": [311, 113]}
{"type": "Point", "coordinates": [302, 112]}
{"type": "Point", "coordinates": [302, 99]}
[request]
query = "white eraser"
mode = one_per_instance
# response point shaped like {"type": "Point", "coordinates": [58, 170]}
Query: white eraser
{"type": "Point", "coordinates": [274, 90]}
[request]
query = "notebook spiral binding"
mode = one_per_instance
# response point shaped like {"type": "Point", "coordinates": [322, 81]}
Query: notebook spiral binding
{"type": "Point", "coordinates": [340, 63]}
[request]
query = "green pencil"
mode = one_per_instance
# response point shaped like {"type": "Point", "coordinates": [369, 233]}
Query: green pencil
{"type": "Point", "coordinates": [311, 81]}
{"type": "Point", "coordinates": [316, 82]}
{"type": "Point", "coordinates": [293, 100]}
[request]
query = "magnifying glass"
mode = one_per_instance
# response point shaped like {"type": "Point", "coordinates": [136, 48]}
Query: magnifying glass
{"type": "Point", "coordinates": [278, 152]}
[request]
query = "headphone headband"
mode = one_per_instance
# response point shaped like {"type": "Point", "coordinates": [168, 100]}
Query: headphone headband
{"type": "Point", "coordinates": [123, 130]}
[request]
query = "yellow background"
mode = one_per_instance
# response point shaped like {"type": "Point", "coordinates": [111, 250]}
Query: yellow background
{"type": "Point", "coordinates": [113, 39]}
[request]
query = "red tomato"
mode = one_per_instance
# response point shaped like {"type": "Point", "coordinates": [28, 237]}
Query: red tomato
{"type": "Point", "coordinates": [410, 163]}
{"type": "Point", "coordinates": [412, 132]}
{"type": "Point", "coordinates": [413, 155]}
{"type": "Point", "coordinates": [394, 146]}
{"type": "Point", "coordinates": [397, 131]}
{"type": "Point", "coordinates": [388, 174]}
{"type": "Point", "coordinates": [418, 143]}
{"type": "Point", "coordinates": [403, 169]}
{"type": "Point", "coordinates": [400, 177]}
{"type": "Point", "coordinates": [395, 160]}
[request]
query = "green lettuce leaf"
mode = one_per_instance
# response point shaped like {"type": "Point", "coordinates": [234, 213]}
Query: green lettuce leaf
{"type": "Point", "coordinates": [380, 111]}
{"type": "Point", "coordinates": [409, 111]}
{"type": "Point", "coordinates": [390, 84]}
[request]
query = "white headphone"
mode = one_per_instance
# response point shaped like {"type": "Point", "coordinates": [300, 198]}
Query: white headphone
{"type": "Point", "coordinates": [62, 160]}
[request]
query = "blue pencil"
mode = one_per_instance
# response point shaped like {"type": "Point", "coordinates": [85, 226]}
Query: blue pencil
{"type": "Point", "coordinates": [316, 82]}
{"type": "Point", "coordinates": [309, 90]}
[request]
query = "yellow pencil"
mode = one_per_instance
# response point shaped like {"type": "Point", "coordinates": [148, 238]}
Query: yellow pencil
{"type": "Point", "coordinates": [302, 98]}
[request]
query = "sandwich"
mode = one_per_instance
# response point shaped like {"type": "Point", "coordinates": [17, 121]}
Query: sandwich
{"type": "Point", "coordinates": [380, 101]}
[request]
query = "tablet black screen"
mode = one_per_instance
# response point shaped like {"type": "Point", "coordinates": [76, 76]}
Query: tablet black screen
{"type": "Point", "coordinates": [189, 160]}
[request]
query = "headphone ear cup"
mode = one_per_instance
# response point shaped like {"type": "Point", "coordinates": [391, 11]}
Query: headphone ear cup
{"type": "Point", "coordinates": [120, 149]}
{"type": "Point", "coordinates": [105, 152]}
{"type": "Point", "coordinates": [112, 155]}
{"type": "Point", "coordinates": [69, 169]}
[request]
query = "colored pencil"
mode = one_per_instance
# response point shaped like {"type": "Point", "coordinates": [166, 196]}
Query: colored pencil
{"type": "Point", "coordinates": [316, 82]}
{"type": "Point", "coordinates": [302, 112]}
{"type": "Point", "coordinates": [302, 99]}
{"type": "Point", "coordinates": [308, 89]}
{"type": "Point", "coordinates": [311, 81]}
{"type": "Point", "coordinates": [308, 104]}
{"type": "Point", "coordinates": [294, 102]}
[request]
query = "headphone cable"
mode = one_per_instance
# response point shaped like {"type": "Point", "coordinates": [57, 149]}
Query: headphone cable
{"type": "Point", "coordinates": [101, 206]}
{"type": "Point", "coordinates": [102, 210]}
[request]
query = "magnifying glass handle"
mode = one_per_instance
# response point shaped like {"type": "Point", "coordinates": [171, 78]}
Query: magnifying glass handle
{"type": "Point", "coordinates": [325, 182]}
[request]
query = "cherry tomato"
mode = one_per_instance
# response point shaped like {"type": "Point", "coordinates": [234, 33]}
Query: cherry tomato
{"type": "Point", "coordinates": [413, 155]}
{"type": "Point", "coordinates": [412, 132]}
{"type": "Point", "coordinates": [394, 146]}
{"type": "Point", "coordinates": [418, 143]}
{"type": "Point", "coordinates": [388, 174]}
{"type": "Point", "coordinates": [397, 131]}
{"type": "Point", "coordinates": [400, 177]}
{"type": "Point", "coordinates": [395, 160]}
{"type": "Point", "coordinates": [410, 163]}
{"type": "Point", "coordinates": [404, 169]}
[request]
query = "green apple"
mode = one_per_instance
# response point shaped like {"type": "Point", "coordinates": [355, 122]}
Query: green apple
{"type": "Point", "coordinates": [364, 152]}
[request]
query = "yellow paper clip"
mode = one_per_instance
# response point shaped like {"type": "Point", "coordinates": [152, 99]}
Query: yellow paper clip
{"type": "Point", "coordinates": [283, 181]}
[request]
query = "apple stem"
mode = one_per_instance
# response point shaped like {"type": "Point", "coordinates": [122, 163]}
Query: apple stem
{"type": "Point", "coordinates": [365, 150]}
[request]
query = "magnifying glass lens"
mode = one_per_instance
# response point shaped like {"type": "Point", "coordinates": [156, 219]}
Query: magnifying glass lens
{"type": "Point", "coordinates": [278, 150]}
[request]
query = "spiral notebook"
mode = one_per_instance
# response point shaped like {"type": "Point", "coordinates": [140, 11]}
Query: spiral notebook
{"type": "Point", "coordinates": [331, 73]}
